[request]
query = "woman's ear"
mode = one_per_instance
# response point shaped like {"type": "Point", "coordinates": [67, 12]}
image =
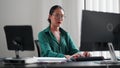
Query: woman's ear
{"type": "Point", "coordinates": [49, 16]}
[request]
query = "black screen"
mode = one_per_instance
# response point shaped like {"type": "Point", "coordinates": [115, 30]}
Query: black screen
{"type": "Point", "coordinates": [19, 37]}
{"type": "Point", "coordinates": [99, 28]}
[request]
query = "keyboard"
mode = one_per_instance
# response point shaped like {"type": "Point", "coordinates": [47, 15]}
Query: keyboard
{"type": "Point", "coordinates": [93, 58]}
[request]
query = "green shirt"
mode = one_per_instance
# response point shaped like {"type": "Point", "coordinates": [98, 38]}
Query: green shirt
{"type": "Point", "coordinates": [50, 46]}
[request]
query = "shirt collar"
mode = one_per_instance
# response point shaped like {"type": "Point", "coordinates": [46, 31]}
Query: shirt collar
{"type": "Point", "coordinates": [48, 30]}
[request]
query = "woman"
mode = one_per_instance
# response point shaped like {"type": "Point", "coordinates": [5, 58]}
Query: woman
{"type": "Point", "coordinates": [54, 41]}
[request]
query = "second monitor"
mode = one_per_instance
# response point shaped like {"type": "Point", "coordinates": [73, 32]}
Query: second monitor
{"type": "Point", "coordinates": [99, 28]}
{"type": "Point", "coordinates": [19, 38]}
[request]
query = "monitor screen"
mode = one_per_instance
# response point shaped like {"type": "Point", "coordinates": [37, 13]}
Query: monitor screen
{"type": "Point", "coordinates": [19, 37]}
{"type": "Point", "coordinates": [99, 28]}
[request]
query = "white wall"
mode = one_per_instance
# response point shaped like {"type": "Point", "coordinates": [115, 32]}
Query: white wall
{"type": "Point", "coordinates": [72, 23]}
{"type": "Point", "coordinates": [16, 12]}
{"type": "Point", "coordinates": [35, 13]}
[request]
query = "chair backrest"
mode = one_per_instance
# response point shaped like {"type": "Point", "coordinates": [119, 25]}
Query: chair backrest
{"type": "Point", "coordinates": [38, 47]}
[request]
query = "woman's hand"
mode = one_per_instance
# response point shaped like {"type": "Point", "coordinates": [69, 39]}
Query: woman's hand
{"type": "Point", "coordinates": [76, 55]}
{"type": "Point", "coordinates": [67, 56]}
{"type": "Point", "coordinates": [86, 54]}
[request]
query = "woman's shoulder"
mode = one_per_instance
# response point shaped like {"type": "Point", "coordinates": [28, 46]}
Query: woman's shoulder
{"type": "Point", "coordinates": [44, 31]}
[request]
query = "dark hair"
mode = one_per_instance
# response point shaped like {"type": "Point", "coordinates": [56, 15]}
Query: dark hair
{"type": "Point", "coordinates": [53, 9]}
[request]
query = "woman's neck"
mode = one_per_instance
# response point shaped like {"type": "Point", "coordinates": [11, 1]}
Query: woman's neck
{"type": "Point", "coordinates": [56, 32]}
{"type": "Point", "coordinates": [53, 28]}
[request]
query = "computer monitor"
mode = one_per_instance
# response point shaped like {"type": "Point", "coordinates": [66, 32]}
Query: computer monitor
{"type": "Point", "coordinates": [99, 28]}
{"type": "Point", "coordinates": [19, 38]}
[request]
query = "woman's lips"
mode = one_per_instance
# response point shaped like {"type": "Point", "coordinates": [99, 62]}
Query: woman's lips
{"type": "Point", "coordinates": [59, 22]}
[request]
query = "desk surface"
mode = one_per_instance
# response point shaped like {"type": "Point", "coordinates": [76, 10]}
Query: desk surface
{"type": "Point", "coordinates": [85, 64]}
{"type": "Point", "coordinates": [80, 64]}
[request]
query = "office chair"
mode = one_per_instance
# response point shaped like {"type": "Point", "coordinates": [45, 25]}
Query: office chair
{"type": "Point", "coordinates": [38, 47]}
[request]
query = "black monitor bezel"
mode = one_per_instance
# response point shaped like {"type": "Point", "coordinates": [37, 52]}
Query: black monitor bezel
{"type": "Point", "coordinates": [24, 33]}
{"type": "Point", "coordinates": [91, 44]}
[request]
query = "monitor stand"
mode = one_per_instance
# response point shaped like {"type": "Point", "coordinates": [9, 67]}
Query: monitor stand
{"type": "Point", "coordinates": [112, 52]}
{"type": "Point", "coordinates": [112, 55]}
{"type": "Point", "coordinates": [15, 60]}
{"type": "Point", "coordinates": [17, 54]}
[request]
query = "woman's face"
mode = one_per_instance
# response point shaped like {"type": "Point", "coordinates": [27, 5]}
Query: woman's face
{"type": "Point", "coordinates": [57, 17]}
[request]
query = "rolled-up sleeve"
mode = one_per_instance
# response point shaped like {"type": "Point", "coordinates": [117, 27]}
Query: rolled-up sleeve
{"type": "Point", "coordinates": [72, 47]}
